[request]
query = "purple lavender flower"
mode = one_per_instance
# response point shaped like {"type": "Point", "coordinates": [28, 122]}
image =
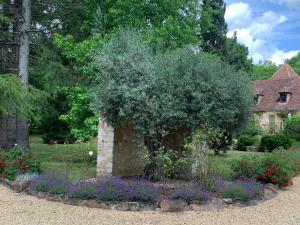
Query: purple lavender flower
{"type": "Point", "coordinates": [238, 189]}
{"type": "Point", "coordinates": [111, 189]}
{"type": "Point", "coordinates": [115, 189]}
{"type": "Point", "coordinates": [143, 191]}
{"type": "Point", "coordinates": [82, 190]}
{"type": "Point", "coordinates": [191, 193]}
{"type": "Point", "coordinates": [54, 183]}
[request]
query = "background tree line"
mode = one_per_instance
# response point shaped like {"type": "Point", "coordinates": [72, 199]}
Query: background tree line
{"type": "Point", "coordinates": [64, 36]}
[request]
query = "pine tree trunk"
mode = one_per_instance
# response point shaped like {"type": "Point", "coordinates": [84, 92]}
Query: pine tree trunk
{"type": "Point", "coordinates": [22, 131]}
{"type": "Point", "coordinates": [24, 41]}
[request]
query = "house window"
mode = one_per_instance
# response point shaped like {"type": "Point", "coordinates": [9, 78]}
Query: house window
{"type": "Point", "coordinates": [258, 98]}
{"type": "Point", "coordinates": [271, 119]}
{"type": "Point", "coordinates": [283, 97]}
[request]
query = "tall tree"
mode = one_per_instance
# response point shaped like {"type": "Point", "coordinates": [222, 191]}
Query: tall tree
{"type": "Point", "coordinates": [263, 70]}
{"type": "Point", "coordinates": [213, 26]}
{"type": "Point", "coordinates": [16, 26]}
{"type": "Point", "coordinates": [236, 55]}
{"type": "Point", "coordinates": [22, 132]}
{"type": "Point", "coordinates": [295, 63]}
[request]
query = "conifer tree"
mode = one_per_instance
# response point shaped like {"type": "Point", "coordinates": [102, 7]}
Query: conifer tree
{"type": "Point", "coordinates": [213, 26]}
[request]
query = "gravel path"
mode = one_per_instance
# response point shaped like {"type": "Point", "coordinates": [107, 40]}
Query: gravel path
{"type": "Point", "coordinates": [19, 209]}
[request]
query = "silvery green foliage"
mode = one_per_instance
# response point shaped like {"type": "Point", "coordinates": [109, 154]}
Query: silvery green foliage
{"type": "Point", "coordinates": [123, 66]}
{"type": "Point", "coordinates": [24, 179]}
{"type": "Point", "coordinates": [158, 93]}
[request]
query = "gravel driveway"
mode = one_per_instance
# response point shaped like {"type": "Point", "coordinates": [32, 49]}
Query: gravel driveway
{"type": "Point", "coordinates": [22, 209]}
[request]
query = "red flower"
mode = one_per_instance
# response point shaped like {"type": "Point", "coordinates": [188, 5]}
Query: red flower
{"type": "Point", "coordinates": [251, 173]}
{"type": "Point", "coordinates": [268, 163]}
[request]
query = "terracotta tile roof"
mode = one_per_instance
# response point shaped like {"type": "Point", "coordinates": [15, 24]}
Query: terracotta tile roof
{"type": "Point", "coordinates": [284, 80]}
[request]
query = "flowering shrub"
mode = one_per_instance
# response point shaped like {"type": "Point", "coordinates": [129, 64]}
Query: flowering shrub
{"type": "Point", "coordinates": [191, 193]}
{"type": "Point", "coordinates": [276, 168]}
{"type": "Point", "coordinates": [53, 183]}
{"type": "Point", "coordinates": [115, 189]}
{"type": "Point", "coordinates": [111, 189]}
{"type": "Point", "coordinates": [17, 161]}
{"type": "Point", "coordinates": [238, 189]}
{"type": "Point", "coordinates": [82, 190]}
{"type": "Point", "coordinates": [142, 191]}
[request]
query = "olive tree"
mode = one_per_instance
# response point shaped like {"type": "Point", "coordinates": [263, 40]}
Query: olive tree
{"type": "Point", "coordinates": [168, 93]}
{"type": "Point", "coordinates": [157, 93]}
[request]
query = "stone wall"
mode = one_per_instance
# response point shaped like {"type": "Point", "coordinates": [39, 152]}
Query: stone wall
{"type": "Point", "coordinates": [105, 148]}
{"type": "Point", "coordinates": [129, 152]}
{"type": "Point", "coordinates": [120, 151]}
{"type": "Point", "coordinates": [262, 119]}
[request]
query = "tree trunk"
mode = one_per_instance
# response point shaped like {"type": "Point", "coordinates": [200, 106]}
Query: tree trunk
{"type": "Point", "coordinates": [22, 132]}
{"type": "Point", "coordinates": [24, 41]}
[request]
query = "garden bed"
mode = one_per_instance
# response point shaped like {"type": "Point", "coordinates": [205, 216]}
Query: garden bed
{"type": "Point", "coordinates": [171, 197]}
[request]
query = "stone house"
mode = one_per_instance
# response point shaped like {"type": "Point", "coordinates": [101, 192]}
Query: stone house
{"type": "Point", "coordinates": [277, 98]}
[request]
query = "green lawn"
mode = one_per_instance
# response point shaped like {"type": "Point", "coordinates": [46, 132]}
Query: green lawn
{"type": "Point", "coordinates": [71, 159]}
{"type": "Point", "coordinates": [221, 164]}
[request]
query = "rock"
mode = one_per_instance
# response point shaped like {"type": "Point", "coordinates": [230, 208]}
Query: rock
{"type": "Point", "coordinates": [218, 204]}
{"type": "Point", "coordinates": [272, 187]}
{"type": "Point", "coordinates": [128, 206]}
{"type": "Point", "coordinates": [270, 191]}
{"type": "Point", "coordinates": [252, 148]}
{"type": "Point", "coordinates": [228, 200]}
{"type": "Point", "coordinates": [95, 204]}
{"type": "Point", "coordinates": [245, 203]}
{"type": "Point", "coordinates": [168, 205]}
{"type": "Point", "coordinates": [269, 194]}
{"type": "Point", "coordinates": [214, 204]}
{"type": "Point", "coordinates": [133, 206]}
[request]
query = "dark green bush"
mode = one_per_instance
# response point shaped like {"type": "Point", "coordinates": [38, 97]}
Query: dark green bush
{"type": "Point", "coordinates": [246, 140]}
{"type": "Point", "coordinates": [252, 129]}
{"type": "Point", "coordinates": [292, 127]}
{"type": "Point", "coordinates": [271, 142]}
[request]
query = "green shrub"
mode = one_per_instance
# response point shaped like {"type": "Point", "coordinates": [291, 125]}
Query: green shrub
{"type": "Point", "coordinates": [246, 140]}
{"type": "Point", "coordinates": [252, 129]}
{"type": "Point", "coordinates": [292, 127]}
{"type": "Point", "coordinates": [271, 142]}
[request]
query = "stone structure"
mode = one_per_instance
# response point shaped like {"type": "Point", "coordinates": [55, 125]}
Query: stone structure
{"type": "Point", "coordinates": [120, 151]}
{"type": "Point", "coordinates": [276, 98]}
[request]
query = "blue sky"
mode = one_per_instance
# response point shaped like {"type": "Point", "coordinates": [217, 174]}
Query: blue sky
{"type": "Point", "coordinates": [269, 28]}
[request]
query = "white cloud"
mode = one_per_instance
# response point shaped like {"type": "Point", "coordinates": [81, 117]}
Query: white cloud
{"type": "Point", "coordinates": [280, 56]}
{"type": "Point", "coordinates": [256, 32]}
{"type": "Point", "coordinates": [238, 14]}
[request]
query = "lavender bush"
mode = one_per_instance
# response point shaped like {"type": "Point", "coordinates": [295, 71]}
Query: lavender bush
{"type": "Point", "coordinates": [82, 190]}
{"type": "Point", "coordinates": [54, 183]}
{"type": "Point", "coordinates": [111, 189]}
{"type": "Point", "coordinates": [115, 189]}
{"type": "Point", "coordinates": [191, 193]}
{"type": "Point", "coordinates": [142, 191]}
{"type": "Point", "coordinates": [243, 190]}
